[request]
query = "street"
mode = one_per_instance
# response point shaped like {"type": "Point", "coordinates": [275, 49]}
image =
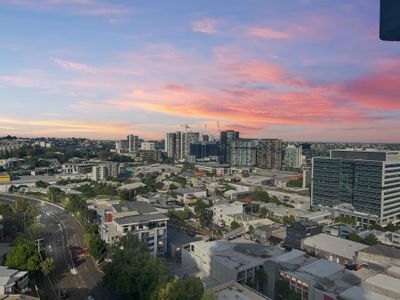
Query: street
{"type": "Point", "coordinates": [80, 277]}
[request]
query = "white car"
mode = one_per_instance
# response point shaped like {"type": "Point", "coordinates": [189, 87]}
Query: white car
{"type": "Point", "coordinates": [90, 298]}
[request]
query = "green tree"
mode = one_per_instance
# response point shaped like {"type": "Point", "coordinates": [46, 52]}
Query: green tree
{"type": "Point", "coordinates": [355, 238]}
{"type": "Point", "coordinates": [371, 240]}
{"type": "Point", "coordinates": [260, 195]}
{"type": "Point", "coordinates": [41, 184]}
{"type": "Point", "coordinates": [55, 195]}
{"type": "Point", "coordinates": [35, 231]}
{"type": "Point", "coordinates": [134, 271]}
{"type": "Point", "coordinates": [209, 295]}
{"type": "Point", "coordinates": [47, 266]}
{"type": "Point", "coordinates": [97, 247]}
{"type": "Point", "coordinates": [182, 289]}
{"type": "Point", "coordinates": [234, 225]}
{"type": "Point", "coordinates": [179, 179]}
{"type": "Point", "coordinates": [24, 256]}
{"type": "Point", "coordinates": [289, 219]}
{"type": "Point", "coordinates": [264, 212]}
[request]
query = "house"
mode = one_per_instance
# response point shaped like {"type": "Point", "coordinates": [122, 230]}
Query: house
{"type": "Point", "coordinates": [190, 195]}
{"type": "Point", "coordinates": [12, 281]}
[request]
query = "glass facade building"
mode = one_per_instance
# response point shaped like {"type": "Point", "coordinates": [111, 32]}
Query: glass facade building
{"type": "Point", "coordinates": [368, 180]}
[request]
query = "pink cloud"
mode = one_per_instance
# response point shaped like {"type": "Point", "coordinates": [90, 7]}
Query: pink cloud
{"type": "Point", "coordinates": [206, 25]}
{"type": "Point", "coordinates": [268, 33]}
{"type": "Point", "coordinates": [74, 66]}
{"type": "Point", "coordinates": [378, 90]}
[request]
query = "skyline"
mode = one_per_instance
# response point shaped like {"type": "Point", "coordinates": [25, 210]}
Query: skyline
{"type": "Point", "coordinates": [300, 70]}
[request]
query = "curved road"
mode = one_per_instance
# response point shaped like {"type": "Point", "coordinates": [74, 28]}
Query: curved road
{"type": "Point", "coordinates": [84, 279]}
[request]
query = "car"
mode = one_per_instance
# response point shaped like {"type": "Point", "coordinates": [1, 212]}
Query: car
{"type": "Point", "coordinates": [64, 293]}
{"type": "Point", "coordinates": [108, 259]}
{"type": "Point", "coordinates": [59, 243]}
{"type": "Point", "coordinates": [90, 298]}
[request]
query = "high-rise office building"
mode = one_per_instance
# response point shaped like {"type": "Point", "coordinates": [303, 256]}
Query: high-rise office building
{"type": "Point", "coordinates": [226, 137]}
{"type": "Point", "coordinates": [368, 180]}
{"type": "Point", "coordinates": [270, 154]}
{"type": "Point", "coordinates": [133, 143]}
{"type": "Point", "coordinates": [293, 156]}
{"type": "Point", "coordinates": [243, 152]}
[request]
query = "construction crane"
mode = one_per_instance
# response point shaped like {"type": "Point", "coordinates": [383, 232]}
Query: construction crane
{"type": "Point", "coordinates": [186, 126]}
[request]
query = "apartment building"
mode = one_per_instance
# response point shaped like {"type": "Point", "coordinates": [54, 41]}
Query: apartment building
{"type": "Point", "coordinates": [140, 219]}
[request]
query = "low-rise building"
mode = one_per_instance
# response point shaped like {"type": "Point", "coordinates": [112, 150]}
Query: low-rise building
{"type": "Point", "coordinates": [222, 212]}
{"type": "Point", "coordinates": [380, 254]}
{"type": "Point", "coordinates": [321, 217]}
{"type": "Point", "coordinates": [235, 290]}
{"type": "Point", "coordinates": [137, 218]}
{"type": "Point", "coordinates": [332, 248]}
{"type": "Point", "coordinates": [12, 281]}
{"type": "Point", "coordinates": [238, 260]}
{"type": "Point", "coordinates": [299, 231]}
{"type": "Point", "coordinates": [190, 195]}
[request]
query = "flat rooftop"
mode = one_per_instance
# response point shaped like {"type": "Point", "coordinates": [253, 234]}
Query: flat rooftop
{"type": "Point", "coordinates": [322, 268]}
{"type": "Point", "coordinates": [335, 245]}
{"type": "Point", "coordinates": [234, 290]}
{"type": "Point", "coordinates": [385, 283]}
{"type": "Point", "coordinates": [360, 293]}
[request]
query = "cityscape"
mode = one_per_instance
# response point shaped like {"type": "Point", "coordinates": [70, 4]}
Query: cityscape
{"type": "Point", "coordinates": [243, 150]}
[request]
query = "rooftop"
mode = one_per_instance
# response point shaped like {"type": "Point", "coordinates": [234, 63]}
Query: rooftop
{"type": "Point", "coordinates": [383, 250]}
{"type": "Point", "coordinates": [360, 293]}
{"type": "Point", "coordinates": [131, 186]}
{"type": "Point", "coordinates": [140, 207]}
{"type": "Point", "coordinates": [322, 268]}
{"type": "Point", "coordinates": [336, 245]}
{"type": "Point", "coordinates": [385, 283]}
{"type": "Point", "coordinates": [234, 290]}
{"type": "Point", "coordinates": [140, 219]}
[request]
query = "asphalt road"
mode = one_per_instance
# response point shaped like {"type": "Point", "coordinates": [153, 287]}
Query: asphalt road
{"type": "Point", "coordinates": [60, 226]}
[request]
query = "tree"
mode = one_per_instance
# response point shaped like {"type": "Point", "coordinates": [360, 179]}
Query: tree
{"type": "Point", "coordinates": [209, 295]}
{"type": "Point", "coordinates": [264, 212]}
{"type": "Point", "coordinates": [41, 184]}
{"type": "Point", "coordinates": [260, 195]}
{"type": "Point", "coordinates": [97, 247]}
{"type": "Point", "coordinates": [371, 240]}
{"type": "Point", "coordinates": [182, 289]}
{"type": "Point", "coordinates": [47, 266]}
{"type": "Point", "coordinates": [35, 231]}
{"type": "Point", "coordinates": [24, 256]}
{"type": "Point", "coordinates": [55, 195]}
{"type": "Point", "coordinates": [289, 220]}
{"type": "Point", "coordinates": [234, 225]}
{"type": "Point", "coordinates": [134, 271]}
{"type": "Point", "coordinates": [355, 238]}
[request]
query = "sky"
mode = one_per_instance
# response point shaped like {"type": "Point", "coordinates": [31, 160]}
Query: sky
{"type": "Point", "coordinates": [300, 70]}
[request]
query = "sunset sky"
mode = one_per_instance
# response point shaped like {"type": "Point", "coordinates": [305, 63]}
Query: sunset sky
{"type": "Point", "coordinates": [304, 70]}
